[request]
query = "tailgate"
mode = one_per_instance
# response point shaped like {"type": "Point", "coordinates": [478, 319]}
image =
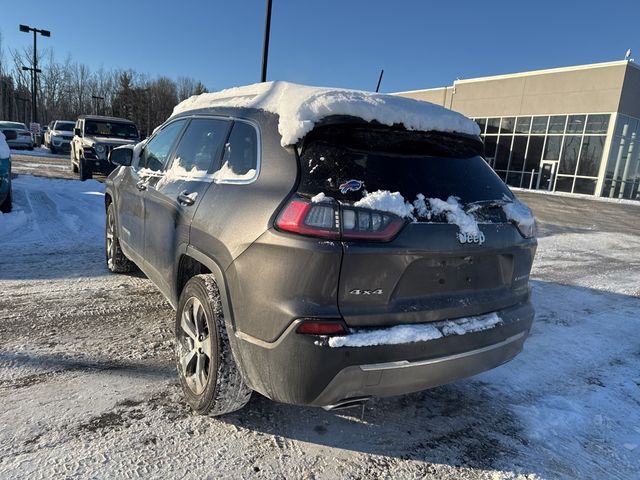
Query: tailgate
{"type": "Point", "coordinates": [427, 274]}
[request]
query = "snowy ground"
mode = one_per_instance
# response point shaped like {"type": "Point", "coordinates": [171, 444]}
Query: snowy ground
{"type": "Point", "coordinates": [89, 388]}
{"type": "Point", "coordinates": [41, 162]}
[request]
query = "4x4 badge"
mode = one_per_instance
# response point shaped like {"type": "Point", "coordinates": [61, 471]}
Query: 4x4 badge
{"type": "Point", "coordinates": [471, 238]}
{"type": "Point", "coordinates": [359, 291]}
{"type": "Point", "coordinates": [351, 186]}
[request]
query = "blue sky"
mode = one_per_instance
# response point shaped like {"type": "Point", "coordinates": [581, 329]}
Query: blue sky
{"type": "Point", "coordinates": [420, 44]}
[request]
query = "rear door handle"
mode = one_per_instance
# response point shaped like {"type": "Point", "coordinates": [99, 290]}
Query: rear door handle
{"type": "Point", "coordinates": [141, 185]}
{"type": "Point", "coordinates": [187, 199]}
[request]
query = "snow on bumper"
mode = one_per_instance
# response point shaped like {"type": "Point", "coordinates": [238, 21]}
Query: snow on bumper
{"type": "Point", "coordinates": [415, 333]}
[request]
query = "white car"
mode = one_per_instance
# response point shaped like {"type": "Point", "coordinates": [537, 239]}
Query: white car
{"type": "Point", "coordinates": [58, 136]}
{"type": "Point", "coordinates": [22, 138]}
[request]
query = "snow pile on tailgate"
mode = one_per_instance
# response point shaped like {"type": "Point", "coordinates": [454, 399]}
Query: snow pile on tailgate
{"type": "Point", "coordinates": [300, 107]}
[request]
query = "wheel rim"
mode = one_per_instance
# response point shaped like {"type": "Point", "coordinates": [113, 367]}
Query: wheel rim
{"type": "Point", "coordinates": [110, 230]}
{"type": "Point", "coordinates": [194, 346]}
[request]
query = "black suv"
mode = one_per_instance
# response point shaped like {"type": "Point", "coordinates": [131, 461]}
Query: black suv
{"type": "Point", "coordinates": [94, 138]}
{"type": "Point", "coordinates": [301, 272]}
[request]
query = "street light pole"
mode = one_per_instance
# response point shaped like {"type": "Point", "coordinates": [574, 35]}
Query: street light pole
{"type": "Point", "coordinates": [24, 107]}
{"type": "Point", "coordinates": [379, 80]}
{"type": "Point", "coordinates": [265, 48]}
{"type": "Point", "coordinates": [34, 69]}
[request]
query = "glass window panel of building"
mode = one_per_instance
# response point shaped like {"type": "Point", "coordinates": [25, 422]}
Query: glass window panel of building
{"type": "Point", "coordinates": [576, 123]}
{"type": "Point", "coordinates": [503, 153]}
{"type": "Point", "coordinates": [570, 152]}
{"type": "Point", "coordinates": [539, 124]}
{"type": "Point", "coordinates": [557, 123]}
{"type": "Point", "coordinates": [523, 124]}
{"type": "Point", "coordinates": [597, 124]}
{"type": "Point", "coordinates": [516, 146]}
{"type": "Point", "coordinates": [622, 174]}
{"type": "Point", "coordinates": [590, 155]}
{"type": "Point", "coordinates": [493, 125]}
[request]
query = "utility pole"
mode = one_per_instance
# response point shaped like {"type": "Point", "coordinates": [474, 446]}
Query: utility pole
{"type": "Point", "coordinates": [97, 98]}
{"type": "Point", "coordinates": [24, 108]}
{"type": "Point", "coordinates": [34, 69]}
{"type": "Point", "coordinates": [265, 48]}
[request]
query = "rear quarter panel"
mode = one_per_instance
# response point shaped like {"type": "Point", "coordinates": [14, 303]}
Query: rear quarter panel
{"type": "Point", "coordinates": [231, 217]}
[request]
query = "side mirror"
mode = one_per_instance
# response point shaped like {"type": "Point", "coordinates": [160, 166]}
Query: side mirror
{"type": "Point", "coordinates": [10, 134]}
{"type": "Point", "coordinates": [121, 156]}
{"type": "Point", "coordinates": [77, 131]}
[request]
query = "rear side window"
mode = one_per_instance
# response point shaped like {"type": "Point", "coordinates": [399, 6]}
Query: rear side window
{"type": "Point", "coordinates": [240, 160]}
{"type": "Point", "coordinates": [201, 146]}
{"type": "Point", "coordinates": [343, 162]}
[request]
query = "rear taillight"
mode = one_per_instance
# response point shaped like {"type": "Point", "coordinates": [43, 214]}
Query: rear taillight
{"type": "Point", "coordinates": [365, 224]}
{"type": "Point", "coordinates": [321, 327]}
{"type": "Point", "coordinates": [337, 222]}
{"type": "Point", "coordinates": [307, 218]}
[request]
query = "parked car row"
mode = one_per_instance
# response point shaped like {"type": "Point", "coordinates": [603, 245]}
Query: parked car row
{"type": "Point", "coordinates": [88, 140]}
{"type": "Point", "coordinates": [23, 137]}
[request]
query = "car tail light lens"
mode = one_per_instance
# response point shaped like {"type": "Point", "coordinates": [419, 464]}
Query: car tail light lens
{"type": "Point", "coordinates": [321, 327]}
{"type": "Point", "coordinates": [331, 220]}
{"type": "Point", "coordinates": [307, 218]}
{"type": "Point", "coordinates": [365, 224]}
{"type": "Point", "coordinates": [527, 229]}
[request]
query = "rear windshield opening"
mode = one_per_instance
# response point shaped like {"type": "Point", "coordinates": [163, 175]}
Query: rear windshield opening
{"type": "Point", "coordinates": [433, 164]}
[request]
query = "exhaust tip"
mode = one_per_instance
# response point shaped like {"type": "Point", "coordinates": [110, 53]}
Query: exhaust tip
{"type": "Point", "coordinates": [347, 403]}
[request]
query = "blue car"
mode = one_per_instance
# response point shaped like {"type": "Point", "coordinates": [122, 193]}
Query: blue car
{"type": "Point", "coordinates": [5, 175]}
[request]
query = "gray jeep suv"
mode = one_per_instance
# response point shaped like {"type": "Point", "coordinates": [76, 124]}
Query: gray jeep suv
{"type": "Point", "coordinates": [362, 260]}
{"type": "Point", "coordinates": [93, 139]}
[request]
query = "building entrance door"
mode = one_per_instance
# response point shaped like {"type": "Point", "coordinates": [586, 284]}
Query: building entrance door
{"type": "Point", "coordinates": [546, 175]}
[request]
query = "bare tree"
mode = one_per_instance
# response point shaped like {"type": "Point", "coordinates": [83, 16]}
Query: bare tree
{"type": "Point", "coordinates": [67, 89]}
{"type": "Point", "coordinates": [187, 86]}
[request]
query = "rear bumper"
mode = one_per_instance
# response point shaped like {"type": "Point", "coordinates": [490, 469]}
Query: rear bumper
{"type": "Point", "coordinates": [396, 378]}
{"type": "Point", "coordinates": [305, 370]}
{"type": "Point", "coordinates": [20, 143]}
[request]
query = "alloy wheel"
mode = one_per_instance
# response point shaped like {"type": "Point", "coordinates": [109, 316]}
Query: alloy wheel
{"type": "Point", "coordinates": [194, 348]}
{"type": "Point", "coordinates": [110, 233]}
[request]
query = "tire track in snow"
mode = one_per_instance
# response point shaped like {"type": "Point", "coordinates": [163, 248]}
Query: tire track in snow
{"type": "Point", "coordinates": [47, 218]}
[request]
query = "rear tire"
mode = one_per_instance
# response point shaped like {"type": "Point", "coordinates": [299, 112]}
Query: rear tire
{"type": "Point", "coordinates": [84, 171]}
{"type": "Point", "coordinates": [210, 378]}
{"type": "Point", "coordinates": [117, 262]}
{"type": "Point", "coordinates": [74, 167]}
{"type": "Point", "coordinates": [5, 206]}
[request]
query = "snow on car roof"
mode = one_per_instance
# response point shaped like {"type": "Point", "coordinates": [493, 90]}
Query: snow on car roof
{"type": "Point", "coordinates": [300, 107]}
